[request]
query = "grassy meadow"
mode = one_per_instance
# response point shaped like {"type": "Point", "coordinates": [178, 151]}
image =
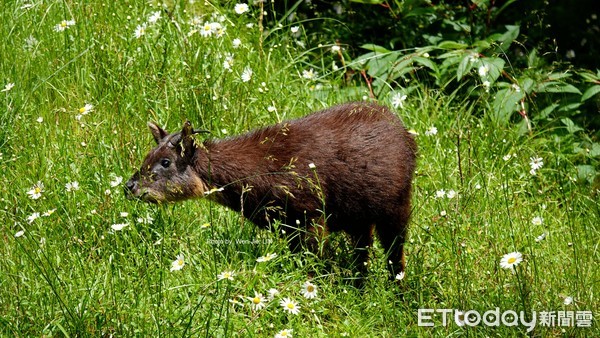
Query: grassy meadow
{"type": "Point", "coordinates": [80, 80]}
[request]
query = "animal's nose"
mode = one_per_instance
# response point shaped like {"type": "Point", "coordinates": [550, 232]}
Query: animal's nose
{"type": "Point", "coordinates": [129, 186]}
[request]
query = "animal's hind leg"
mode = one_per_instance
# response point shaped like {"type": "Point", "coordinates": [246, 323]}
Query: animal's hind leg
{"type": "Point", "coordinates": [392, 234]}
{"type": "Point", "coordinates": [362, 239]}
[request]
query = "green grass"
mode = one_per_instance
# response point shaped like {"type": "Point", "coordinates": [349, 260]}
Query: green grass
{"type": "Point", "coordinates": [71, 274]}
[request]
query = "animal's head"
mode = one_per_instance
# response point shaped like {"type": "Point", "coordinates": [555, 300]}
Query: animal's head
{"type": "Point", "coordinates": [167, 173]}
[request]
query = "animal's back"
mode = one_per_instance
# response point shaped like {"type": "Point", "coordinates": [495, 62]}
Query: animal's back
{"type": "Point", "coordinates": [363, 157]}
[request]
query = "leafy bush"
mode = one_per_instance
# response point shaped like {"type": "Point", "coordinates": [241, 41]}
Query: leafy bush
{"type": "Point", "coordinates": [474, 51]}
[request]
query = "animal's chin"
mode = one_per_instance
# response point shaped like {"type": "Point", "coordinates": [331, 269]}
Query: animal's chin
{"type": "Point", "coordinates": [146, 196]}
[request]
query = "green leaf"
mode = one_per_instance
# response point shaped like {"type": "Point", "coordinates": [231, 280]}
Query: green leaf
{"type": "Point", "coordinates": [586, 172]}
{"type": "Point", "coordinates": [451, 45]}
{"type": "Point", "coordinates": [425, 62]}
{"type": "Point", "coordinates": [595, 151]}
{"type": "Point", "coordinates": [557, 87]}
{"type": "Point", "coordinates": [589, 76]}
{"type": "Point", "coordinates": [558, 76]}
{"type": "Point", "coordinates": [569, 107]}
{"type": "Point", "coordinates": [495, 65]}
{"type": "Point", "coordinates": [593, 90]}
{"type": "Point", "coordinates": [512, 32]}
{"type": "Point", "coordinates": [463, 67]}
{"type": "Point", "coordinates": [481, 45]}
{"type": "Point", "coordinates": [527, 84]}
{"type": "Point", "coordinates": [572, 128]}
{"type": "Point", "coordinates": [375, 48]}
{"type": "Point", "coordinates": [532, 59]}
{"type": "Point", "coordinates": [547, 111]}
{"type": "Point", "coordinates": [505, 104]}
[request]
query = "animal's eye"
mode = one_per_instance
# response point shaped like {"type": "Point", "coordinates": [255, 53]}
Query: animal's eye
{"type": "Point", "coordinates": [165, 162]}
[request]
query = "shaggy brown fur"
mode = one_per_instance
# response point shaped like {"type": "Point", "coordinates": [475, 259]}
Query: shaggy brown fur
{"type": "Point", "coordinates": [347, 168]}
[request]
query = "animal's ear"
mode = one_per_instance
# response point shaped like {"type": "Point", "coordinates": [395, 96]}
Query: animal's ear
{"type": "Point", "coordinates": [157, 132]}
{"type": "Point", "coordinates": [187, 140]}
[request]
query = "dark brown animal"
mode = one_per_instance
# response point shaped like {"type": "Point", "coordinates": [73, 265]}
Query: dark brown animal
{"type": "Point", "coordinates": [346, 168]}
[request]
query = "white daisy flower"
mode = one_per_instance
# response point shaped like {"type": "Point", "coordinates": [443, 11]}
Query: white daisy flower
{"type": "Point", "coordinates": [510, 260]}
{"type": "Point", "coordinates": [178, 263]}
{"type": "Point", "coordinates": [257, 302]}
{"type": "Point", "coordinates": [431, 131]}
{"type": "Point", "coordinates": [72, 186]}
{"type": "Point", "coordinates": [63, 25]}
{"type": "Point", "coordinates": [398, 100]}
{"type": "Point", "coordinates": [400, 276]}
{"type": "Point", "coordinates": [309, 290]}
{"type": "Point", "coordinates": [140, 31]}
{"type": "Point", "coordinates": [36, 191]}
{"type": "Point", "coordinates": [287, 333]}
{"type": "Point", "coordinates": [240, 8]}
{"type": "Point", "coordinates": [309, 74]}
{"type": "Point", "coordinates": [154, 17]}
{"type": "Point", "coordinates": [290, 306]}
{"type": "Point", "coordinates": [247, 74]}
{"type": "Point", "coordinates": [33, 217]}
{"type": "Point", "coordinates": [119, 226]}
{"type": "Point", "coordinates": [8, 87]}
{"type": "Point", "coordinates": [266, 257]}
{"type": "Point", "coordinates": [226, 275]}
{"type": "Point", "coordinates": [116, 181]}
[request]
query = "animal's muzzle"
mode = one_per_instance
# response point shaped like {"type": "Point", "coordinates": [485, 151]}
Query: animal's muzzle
{"type": "Point", "coordinates": [131, 188]}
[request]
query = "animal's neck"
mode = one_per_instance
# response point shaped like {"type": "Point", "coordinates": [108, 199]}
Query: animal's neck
{"type": "Point", "coordinates": [228, 167]}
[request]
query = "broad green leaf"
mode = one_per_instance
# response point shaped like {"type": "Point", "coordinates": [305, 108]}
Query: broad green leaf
{"type": "Point", "coordinates": [425, 62]}
{"type": "Point", "coordinates": [527, 84]}
{"type": "Point", "coordinates": [463, 67]}
{"type": "Point", "coordinates": [570, 107]}
{"type": "Point", "coordinates": [458, 26]}
{"type": "Point", "coordinates": [495, 67]}
{"type": "Point", "coordinates": [557, 87]}
{"type": "Point", "coordinates": [558, 76]}
{"type": "Point", "coordinates": [589, 76]}
{"type": "Point", "coordinates": [375, 48]}
{"type": "Point", "coordinates": [512, 32]}
{"type": "Point", "coordinates": [572, 128]}
{"type": "Point", "coordinates": [595, 151]}
{"type": "Point", "coordinates": [482, 45]}
{"type": "Point", "coordinates": [379, 66]}
{"type": "Point", "coordinates": [451, 45]}
{"type": "Point", "coordinates": [586, 172]}
{"type": "Point", "coordinates": [590, 92]}
{"type": "Point", "coordinates": [532, 59]}
{"type": "Point", "coordinates": [547, 111]}
{"type": "Point", "coordinates": [506, 103]}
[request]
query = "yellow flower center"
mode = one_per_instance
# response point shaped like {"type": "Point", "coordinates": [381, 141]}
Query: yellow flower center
{"type": "Point", "coordinates": [310, 288]}
{"type": "Point", "coordinates": [256, 300]}
{"type": "Point", "coordinates": [511, 260]}
{"type": "Point", "coordinates": [82, 110]}
{"type": "Point", "coordinates": [37, 190]}
{"type": "Point", "coordinates": [180, 262]}
{"type": "Point", "coordinates": [290, 306]}
{"type": "Point", "coordinates": [63, 24]}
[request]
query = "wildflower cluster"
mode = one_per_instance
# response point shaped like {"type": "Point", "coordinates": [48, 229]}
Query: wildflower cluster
{"type": "Point", "coordinates": [210, 28]}
{"type": "Point", "coordinates": [259, 301]}
{"type": "Point", "coordinates": [142, 28]}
